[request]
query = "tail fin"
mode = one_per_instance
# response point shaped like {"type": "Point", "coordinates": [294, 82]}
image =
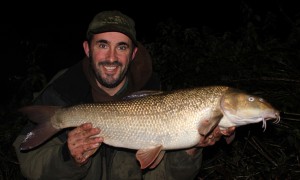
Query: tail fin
{"type": "Point", "coordinates": [41, 115]}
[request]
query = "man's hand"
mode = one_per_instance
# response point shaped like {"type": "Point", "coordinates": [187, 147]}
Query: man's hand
{"type": "Point", "coordinates": [81, 144]}
{"type": "Point", "coordinates": [213, 138]}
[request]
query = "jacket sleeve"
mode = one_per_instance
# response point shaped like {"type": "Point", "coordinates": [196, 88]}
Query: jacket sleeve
{"type": "Point", "coordinates": [177, 165]}
{"type": "Point", "coordinates": [47, 162]}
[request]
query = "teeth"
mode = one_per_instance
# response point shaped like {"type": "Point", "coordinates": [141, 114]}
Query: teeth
{"type": "Point", "coordinates": [110, 68]}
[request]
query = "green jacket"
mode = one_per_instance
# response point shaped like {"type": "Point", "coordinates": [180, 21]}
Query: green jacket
{"type": "Point", "coordinates": [52, 159]}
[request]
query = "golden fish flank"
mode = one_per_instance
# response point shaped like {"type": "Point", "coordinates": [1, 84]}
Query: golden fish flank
{"type": "Point", "coordinates": [152, 122]}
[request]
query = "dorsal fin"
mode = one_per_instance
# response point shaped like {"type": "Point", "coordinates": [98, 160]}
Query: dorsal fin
{"type": "Point", "coordinates": [140, 94]}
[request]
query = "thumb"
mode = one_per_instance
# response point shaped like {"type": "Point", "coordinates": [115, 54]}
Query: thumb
{"type": "Point", "coordinates": [90, 152]}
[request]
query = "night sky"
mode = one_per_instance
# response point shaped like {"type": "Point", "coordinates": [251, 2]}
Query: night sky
{"type": "Point", "coordinates": [60, 29]}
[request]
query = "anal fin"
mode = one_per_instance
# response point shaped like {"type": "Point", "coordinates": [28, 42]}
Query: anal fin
{"type": "Point", "coordinates": [157, 160]}
{"type": "Point", "coordinates": [149, 156]}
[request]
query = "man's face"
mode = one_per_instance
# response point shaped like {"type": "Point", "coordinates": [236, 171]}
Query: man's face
{"type": "Point", "coordinates": [110, 54]}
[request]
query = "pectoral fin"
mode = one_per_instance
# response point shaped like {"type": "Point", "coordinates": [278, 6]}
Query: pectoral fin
{"type": "Point", "coordinates": [149, 156]}
{"type": "Point", "coordinates": [208, 125]}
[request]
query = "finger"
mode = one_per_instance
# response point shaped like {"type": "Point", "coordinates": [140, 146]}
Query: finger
{"type": "Point", "coordinates": [78, 137]}
{"type": "Point", "coordinates": [84, 143]}
{"type": "Point", "coordinates": [82, 153]}
{"type": "Point", "coordinates": [228, 131]}
{"type": "Point", "coordinates": [206, 141]}
{"type": "Point", "coordinates": [79, 129]}
{"type": "Point", "coordinates": [90, 152]}
{"type": "Point", "coordinates": [81, 140]}
{"type": "Point", "coordinates": [87, 134]}
{"type": "Point", "coordinates": [212, 139]}
{"type": "Point", "coordinates": [217, 134]}
{"type": "Point", "coordinates": [230, 138]}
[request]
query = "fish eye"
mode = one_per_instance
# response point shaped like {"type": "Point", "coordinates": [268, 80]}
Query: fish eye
{"type": "Point", "coordinates": [251, 98]}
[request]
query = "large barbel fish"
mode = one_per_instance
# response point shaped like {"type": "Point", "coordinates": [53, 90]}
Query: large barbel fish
{"type": "Point", "coordinates": [154, 122]}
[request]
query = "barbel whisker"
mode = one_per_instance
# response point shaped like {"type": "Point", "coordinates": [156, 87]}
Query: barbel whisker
{"type": "Point", "coordinates": [264, 126]}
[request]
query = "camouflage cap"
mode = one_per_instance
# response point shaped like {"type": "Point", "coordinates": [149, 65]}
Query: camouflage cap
{"type": "Point", "coordinates": [112, 21]}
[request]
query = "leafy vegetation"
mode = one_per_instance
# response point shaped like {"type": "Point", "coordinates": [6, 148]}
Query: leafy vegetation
{"type": "Point", "coordinates": [261, 56]}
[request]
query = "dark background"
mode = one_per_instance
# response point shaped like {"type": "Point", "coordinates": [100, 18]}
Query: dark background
{"type": "Point", "coordinates": [59, 29]}
{"type": "Point", "coordinates": [39, 39]}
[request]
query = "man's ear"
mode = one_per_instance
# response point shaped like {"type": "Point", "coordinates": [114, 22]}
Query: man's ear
{"type": "Point", "coordinates": [134, 52]}
{"type": "Point", "coordinates": [86, 48]}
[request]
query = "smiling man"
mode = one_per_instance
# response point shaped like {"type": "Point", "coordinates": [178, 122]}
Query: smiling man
{"type": "Point", "coordinates": [116, 65]}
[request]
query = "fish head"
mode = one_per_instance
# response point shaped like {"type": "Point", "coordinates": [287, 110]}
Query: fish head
{"type": "Point", "coordinates": [241, 108]}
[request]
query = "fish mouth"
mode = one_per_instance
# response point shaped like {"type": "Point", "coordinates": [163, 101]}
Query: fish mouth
{"type": "Point", "coordinates": [275, 116]}
{"type": "Point", "coordinates": [264, 117]}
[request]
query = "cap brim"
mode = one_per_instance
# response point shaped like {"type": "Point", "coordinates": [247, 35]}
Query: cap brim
{"type": "Point", "coordinates": [112, 28]}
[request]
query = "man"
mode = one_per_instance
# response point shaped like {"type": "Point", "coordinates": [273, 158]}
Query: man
{"type": "Point", "coordinates": [116, 64]}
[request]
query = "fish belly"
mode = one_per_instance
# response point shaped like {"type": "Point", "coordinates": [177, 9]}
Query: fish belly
{"type": "Point", "coordinates": [137, 131]}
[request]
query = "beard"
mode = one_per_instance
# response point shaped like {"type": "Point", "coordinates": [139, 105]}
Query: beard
{"type": "Point", "coordinates": [108, 81]}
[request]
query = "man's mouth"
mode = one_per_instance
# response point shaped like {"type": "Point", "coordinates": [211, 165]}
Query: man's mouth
{"type": "Point", "coordinates": [110, 68]}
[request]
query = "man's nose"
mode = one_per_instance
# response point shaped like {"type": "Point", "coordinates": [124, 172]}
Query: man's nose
{"type": "Point", "coordinates": [112, 55]}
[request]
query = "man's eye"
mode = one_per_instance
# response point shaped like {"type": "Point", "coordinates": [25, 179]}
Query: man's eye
{"type": "Point", "coordinates": [102, 45]}
{"type": "Point", "coordinates": [123, 47]}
